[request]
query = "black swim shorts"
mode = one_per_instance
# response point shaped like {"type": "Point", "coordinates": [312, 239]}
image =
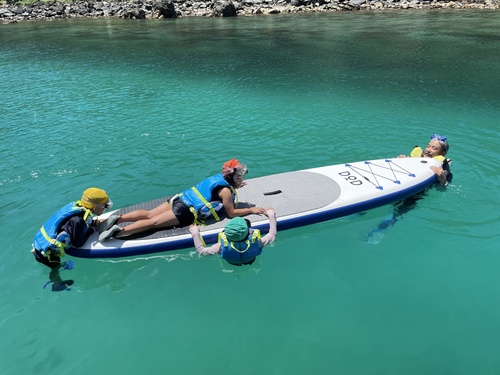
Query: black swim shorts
{"type": "Point", "coordinates": [182, 213]}
{"type": "Point", "coordinates": [49, 261]}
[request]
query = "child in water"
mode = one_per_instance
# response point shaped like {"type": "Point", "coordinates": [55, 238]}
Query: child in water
{"type": "Point", "coordinates": [238, 243]}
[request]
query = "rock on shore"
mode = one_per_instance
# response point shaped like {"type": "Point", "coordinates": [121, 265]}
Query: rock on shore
{"type": "Point", "coordinates": [159, 9]}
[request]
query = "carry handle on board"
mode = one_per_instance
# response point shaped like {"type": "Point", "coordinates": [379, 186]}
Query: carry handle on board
{"type": "Point", "coordinates": [273, 192]}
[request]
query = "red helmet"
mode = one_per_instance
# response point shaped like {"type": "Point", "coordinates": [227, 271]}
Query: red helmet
{"type": "Point", "coordinates": [233, 166]}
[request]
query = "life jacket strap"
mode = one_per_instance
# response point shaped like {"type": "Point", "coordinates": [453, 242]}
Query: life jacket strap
{"type": "Point", "coordinates": [222, 236]}
{"type": "Point", "coordinates": [236, 195]}
{"type": "Point", "coordinates": [255, 235]}
{"type": "Point", "coordinates": [87, 212]}
{"type": "Point", "coordinates": [197, 220]}
{"type": "Point", "coordinates": [79, 206]}
{"type": "Point", "coordinates": [206, 203]}
{"type": "Point", "coordinates": [203, 241]}
{"type": "Point", "coordinates": [171, 201]}
{"type": "Point", "coordinates": [60, 245]}
{"type": "Point", "coordinates": [248, 246]}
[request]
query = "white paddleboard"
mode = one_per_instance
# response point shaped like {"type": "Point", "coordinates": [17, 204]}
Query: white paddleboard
{"type": "Point", "coordinates": [299, 198]}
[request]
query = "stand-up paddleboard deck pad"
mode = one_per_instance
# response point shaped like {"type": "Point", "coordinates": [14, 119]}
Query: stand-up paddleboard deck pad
{"type": "Point", "coordinates": [299, 198]}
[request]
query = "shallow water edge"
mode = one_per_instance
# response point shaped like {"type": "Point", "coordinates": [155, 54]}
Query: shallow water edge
{"type": "Point", "coordinates": [154, 9]}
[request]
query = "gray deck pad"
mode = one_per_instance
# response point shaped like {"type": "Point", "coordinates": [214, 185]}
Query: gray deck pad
{"type": "Point", "coordinates": [300, 192]}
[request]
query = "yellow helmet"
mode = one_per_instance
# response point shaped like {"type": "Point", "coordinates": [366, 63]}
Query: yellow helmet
{"type": "Point", "coordinates": [93, 197]}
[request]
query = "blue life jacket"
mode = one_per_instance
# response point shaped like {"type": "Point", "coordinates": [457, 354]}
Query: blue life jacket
{"type": "Point", "coordinates": [48, 239]}
{"type": "Point", "coordinates": [198, 197]}
{"type": "Point", "coordinates": [241, 251]}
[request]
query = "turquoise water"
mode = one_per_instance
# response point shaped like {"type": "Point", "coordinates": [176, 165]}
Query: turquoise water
{"type": "Point", "coordinates": [144, 109]}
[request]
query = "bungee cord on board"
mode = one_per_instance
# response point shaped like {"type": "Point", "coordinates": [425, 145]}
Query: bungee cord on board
{"type": "Point", "coordinates": [377, 184]}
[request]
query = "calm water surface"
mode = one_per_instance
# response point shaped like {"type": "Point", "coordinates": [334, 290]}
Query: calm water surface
{"type": "Point", "coordinates": [145, 109]}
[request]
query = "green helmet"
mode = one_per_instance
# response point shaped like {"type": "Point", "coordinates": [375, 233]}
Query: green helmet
{"type": "Point", "coordinates": [236, 230]}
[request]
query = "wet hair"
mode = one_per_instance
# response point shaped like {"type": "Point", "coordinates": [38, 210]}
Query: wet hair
{"type": "Point", "coordinates": [230, 177]}
{"type": "Point", "coordinates": [445, 146]}
{"type": "Point", "coordinates": [249, 225]}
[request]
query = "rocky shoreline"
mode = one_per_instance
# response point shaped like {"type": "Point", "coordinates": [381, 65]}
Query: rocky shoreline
{"type": "Point", "coordinates": [159, 9]}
